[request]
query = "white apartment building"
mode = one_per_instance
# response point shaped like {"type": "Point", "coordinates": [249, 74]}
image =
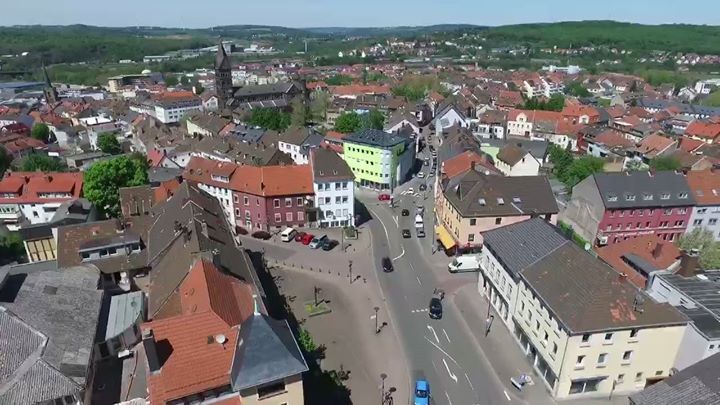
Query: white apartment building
{"type": "Point", "coordinates": [586, 330]}
{"type": "Point", "coordinates": [34, 197]}
{"type": "Point", "coordinates": [297, 143]}
{"type": "Point", "coordinates": [705, 186]}
{"type": "Point", "coordinates": [170, 107]}
{"type": "Point", "coordinates": [334, 186]}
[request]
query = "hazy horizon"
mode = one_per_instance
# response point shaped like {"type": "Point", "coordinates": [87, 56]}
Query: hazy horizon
{"type": "Point", "coordinates": [368, 14]}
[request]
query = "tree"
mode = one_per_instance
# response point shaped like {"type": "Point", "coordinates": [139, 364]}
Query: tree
{"type": "Point", "coordinates": [38, 162]}
{"type": "Point", "coordinates": [555, 103]}
{"type": "Point", "coordinates": [171, 80]}
{"type": "Point", "coordinates": [702, 240]}
{"type": "Point", "coordinates": [338, 80]}
{"type": "Point", "coordinates": [581, 168]}
{"type": "Point", "coordinates": [374, 119]}
{"type": "Point", "coordinates": [635, 165]}
{"type": "Point", "coordinates": [301, 113]}
{"type": "Point", "coordinates": [665, 163]}
{"type": "Point", "coordinates": [348, 123]}
{"type": "Point", "coordinates": [319, 105]}
{"type": "Point", "coordinates": [40, 132]}
{"type": "Point", "coordinates": [269, 118]}
{"type": "Point", "coordinates": [108, 143]}
{"type": "Point", "coordinates": [5, 160]}
{"type": "Point", "coordinates": [561, 160]}
{"type": "Point", "coordinates": [11, 248]}
{"type": "Point", "coordinates": [104, 180]}
{"type": "Point", "coordinates": [577, 89]}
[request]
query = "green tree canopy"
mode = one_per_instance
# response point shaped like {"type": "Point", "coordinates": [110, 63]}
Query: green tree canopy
{"type": "Point", "coordinates": [40, 132]}
{"type": "Point", "coordinates": [348, 122]}
{"type": "Point", "coordinates": [104, 180]}
{"type": "Point", "coordinates": [269, 118]}
{"type": "Point", "coordinates": [38, 162]}
{"type": "Point", "coordinates": [577, 89]}
{"type": "Point", "coordinates": [171, 80]}
{"type": "Point", "coordinates": [555, 103]}
{"type": "Point", "coordinates": [702, 240]}
{"type": "Point", "coordinates": [561, 160]}
{"type": "Point", "coordinates": [319, 105]}
{"type": "Point", "coordinates": [338, 80]}
{"type": "Point", "coordinates": [5, 160]}
{"type": "Point", "coordinates": [108, 143]}
{"type": "Point", "coordinates": [665, 163]}
{"type": "Point", "coordinates": [579, 169]}
{"type": "Point", "coordinates": [374, 119]}
{"type": "Point", "coordinates": [415, 88]}
{"type": "Point", "coordinates": [11, 248]}
{"type": "Point", "coordinates": [301, 113]}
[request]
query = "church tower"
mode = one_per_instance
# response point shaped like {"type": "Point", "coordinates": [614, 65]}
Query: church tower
{"type": "Point", "coordinates": [51, 94]}
{"type": "Point", "coordinates": [223, 77]}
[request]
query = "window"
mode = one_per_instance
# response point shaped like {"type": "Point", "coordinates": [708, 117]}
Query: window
{"type": "Point", "coordinates": [555, 348]}
{"type": "Point", "coordinates": [612, 197]}
{"type": "Point", "coordinates": [278, 217]}
{"type": "Point", "coordinates": [608, 338]}
{"type": "Point", "coordinates": [658, 373]}
{"type": "Point", "coordinates": [246, 201]}
{"type": "Point", "coordinates": [344, 185]}
{"type": "Point", "coordinates": [545, 338]}
{"type": "Point", "coordinates": [257, 202]}
{"type": "Point", "coordinates": [620, 378]}
{"type": "Point", "coordinates": [473, 221]}
{"type": "Point", "coordinates": [580, 361]}
{"type": "Point", "coordinates": [668, 211]}
{"type": "Point", "coordinates": [471, 237]}
{"type": "Point", "coordinates": [276, 203]}
{"type": "Point", "coordinates": [270, 390]}
{"type": "Point", "coordinates": [627, 356]}
{"type": "Point", "coordinates": [634, 333]}
{"type": "Point", "coordinates": [288, 216]}
{"type": "Point", "coordinates": [638, 377]}
{"type": "Point", "coordinates": [337, 199]}
{"type": "Point", "coordinates": [682, 196]}
{"type": "Point", "coordinates": [288, 202]}
{"type": "Point", "coordinates": [712, 221]}
{"type": "Point", "coordinates": [712, 347]}
{"type": "Point", "coordinates": [498, 221]}
{"type": "Point", "coordinates": [665, 196]}
{"type": "Point", "coordinates": [345, 199]}
{"type": "Point", "coordinates": [537, 325]}
{"type": "Point", "coordinates": [697, 222]}
{"type": "Point", "coordinates": [299, 201]}
{"type": "Point", "coordinates": [602, 359]}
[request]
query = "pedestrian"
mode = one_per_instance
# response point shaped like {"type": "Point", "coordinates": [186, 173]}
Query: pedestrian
{"type": "Point", "coordinates": [488, 324]}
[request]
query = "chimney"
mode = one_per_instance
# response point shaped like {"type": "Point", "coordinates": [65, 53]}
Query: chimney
{"type": "Point", "coordinates": [472, 165]}
{"type": "Point", "coordinates": [658, 250]}
{"type": "Point", "coordinates": [689, 262]}
{"type": "Point", "coordinates": [151, 352]}
{"type": "Point", "coordinates": [204, 227]}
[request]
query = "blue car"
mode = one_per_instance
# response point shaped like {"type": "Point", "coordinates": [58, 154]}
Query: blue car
{"type": "Point", "coordinates": [422, 393]}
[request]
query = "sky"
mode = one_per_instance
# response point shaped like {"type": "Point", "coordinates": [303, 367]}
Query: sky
{"type": "Point", "coordinates": [365, 13]}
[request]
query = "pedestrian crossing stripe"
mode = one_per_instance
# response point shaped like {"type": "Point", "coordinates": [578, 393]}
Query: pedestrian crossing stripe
{"type": "Point", "coordinates": [420, 310]}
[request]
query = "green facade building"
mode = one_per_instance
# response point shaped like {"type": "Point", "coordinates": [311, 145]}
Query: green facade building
{"type": "Point", "coordinates": [379, 159]}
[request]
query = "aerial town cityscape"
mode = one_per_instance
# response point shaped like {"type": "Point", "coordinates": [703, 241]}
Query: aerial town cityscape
{"type": "Point", "coordinates": [451, 214]}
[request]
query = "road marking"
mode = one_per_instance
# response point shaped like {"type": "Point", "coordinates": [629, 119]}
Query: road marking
{"type": "Point", "coordinates": [372, 316]}
{"type": "Point", "coordinates": [443, 351]}
{"type": "Point", "coordinates": [401, 255]}
{"type": "Point", "coordinates": [434, 334]}
{"type": "Point", "coordinates": [418, 279]}
{"type": "Point", "coordinates": [387, 236]}
{"type": "Point", "coordinates": [446, 336]}
{"type": "Point", "coordinates": [411, 266]}
{"type": "Point", "coordinates": [469, 382]}
{"type": "Point", "coordinates": [395, 218]}
{"type": "Point", "coordinates": [453, 376]}
{"type": "Point", "coordinates": [448, 397]}
{"type": "Point", "coordinates": [415, 311]}
{"type": "Point", "coordinates": [506, 395]}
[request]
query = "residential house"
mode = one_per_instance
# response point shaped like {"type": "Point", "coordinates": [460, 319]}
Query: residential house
{"type": "Point", "coordinates": [277, 93]}
{"type": "Point", "coordinates": [638, 258]}
{"type": "Point", "coordinates": [512, 160]}
{"type": "Point", "coordinates": [706, 131]}
{"type": "Point", "coordinates": [401, 120]}
{"type": "Point", "coordinates": [214, 177]}
{"type": "Point", "coordinates": [581, 114]}
{"type": "Point", "coordinates": [473, 203]}
{"type": "Point", "coordinates": [693, 293]}
{"type": "Point", "coordinates": [205, 124]}
{"type": "Point", "coordinates": [34, 197]}
{"type": "Point", "coordinates": [19, 146]}
{"type": "Point", "coordinates": [297, 142]}
{"type": "Point", "coordinates": [378, 159]}
{"type": "Point", "coordinates": [492, 124]}
{"type": "Point", "coordinates": [449, 115]}
{"type": "Point", "coordinates": [697, 385]}
{"type": "Point", "coordinates": [705, 188]}
{"type": "Point", "coordinates": [334, 187]}
{"type": "Point", "coordinates": [609, 207]}
{"type": "Point", "coordinates": [468, 160]}
{"type": "Point", "coordinates": [521, 122]}
{"type": "Point", "coordinates": [170, 107]}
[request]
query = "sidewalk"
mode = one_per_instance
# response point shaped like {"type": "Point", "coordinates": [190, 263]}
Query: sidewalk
{"type": "Point", "coordinates": [504, 354]}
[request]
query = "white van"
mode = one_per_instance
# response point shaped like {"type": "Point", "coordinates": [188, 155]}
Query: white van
{"type": "Point", "coordinates": [465, 263]}
{"type": "Point", "coordinates": [288, 235]}
{"type": "Point", "coordinates": [419, 221]}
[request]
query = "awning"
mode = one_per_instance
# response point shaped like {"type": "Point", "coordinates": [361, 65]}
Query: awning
{"type": "Point", "coordinates": [444, 237]}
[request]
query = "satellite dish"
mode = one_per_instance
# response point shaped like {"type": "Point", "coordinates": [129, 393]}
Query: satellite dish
{"type": "Point", "coordinates": [220, 339]}
{"type": "Point", "coordinates": [587, 247]}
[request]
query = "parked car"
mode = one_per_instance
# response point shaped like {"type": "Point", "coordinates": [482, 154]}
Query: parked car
{"type": "Point", "coordinates": [464, 263]}
{"type": "Point", "coordinates": [288, 234]}
{"type": "Point", "coordinates": [387, 265]}
{"type": "Point", "coordinates": [435, 309]}
{"type": "Point", "coordinates": [317, 242]}
{"type": "Point", "coordinates": [422, 393]}
{"type": "Point", "coordinates": [384, 197]}
{"type": "Point", "coordinates": [307, 239]}
{"type": "Point", "coordinates": [421, 175]}
{"type": "Point", "coordinates": [261, 235]}
{"type": "Point", "coordinates": [299, 236]}
{"type": "Point", "coordinates": [329, 244]}
{"type": "Point", "coordinates": [406, 233]}
{"type": "Point", "coordinates": [405, 212]}
{"type": "Point", "coordinates": [420, 232]}
{"type": "Point", "coordinates": [410, 190]}
{"type": "Point", "coordinates": [423, 187]}
{"type": "Point", "coordinates": [426, 162]}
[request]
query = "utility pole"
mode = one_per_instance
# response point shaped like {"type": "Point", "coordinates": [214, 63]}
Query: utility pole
{"type": "Point", "coordinates": [316, 291]}
{"type": "Point", "coordinates": [383, 376]}
{"type": "Point", "coordinates": [350, 270]}
{"type": "Point", "coordinates": [376, 320]}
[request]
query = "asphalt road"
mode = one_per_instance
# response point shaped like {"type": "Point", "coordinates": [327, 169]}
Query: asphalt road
{"type": "Point", "coordinates": [439, 350]}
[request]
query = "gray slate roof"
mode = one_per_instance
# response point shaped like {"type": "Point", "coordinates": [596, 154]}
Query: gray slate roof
{"type": "Point", "coordinates": [266, 352]}
{"type": "Point", "coordinates": [704, 293]}
{"type": "Point", "coordinates": [264, 89]}
{"type": "Point", "coordinates": [329, 166]}
{"type": "Point", "coordinates": [519, 245]}
{"type": "Point", "coordinates": [696, 385]}
{"type": "Point", "coordinates": [643, 189]}
{"type": "Point", "coordinates": [476, 194]}
{"type": "Point", "coordinates": [374, 138]}
{"type": "Point", "coordinates": [125, 310]}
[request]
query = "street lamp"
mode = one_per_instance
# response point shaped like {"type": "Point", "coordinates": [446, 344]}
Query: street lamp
{"type": "Point", "coordinates": [383, 376]}
{"type": "Point", "coordinates": [376, 319]}
{"type": "Point", "coordinates": [350, 270]}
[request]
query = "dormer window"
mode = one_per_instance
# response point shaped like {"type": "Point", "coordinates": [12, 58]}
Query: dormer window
{"type": "Point", "coordinates": [665, 196]}
{"type": "Point", "coordinates": [501, 201]}
{"type": "Point", "coordinates": [612, 197]}
{"type": "Point", "coordinates": [682, 196]}
{"type": "Point", "coordinates": [630, 197]}
{"type": "Point", "coordinates": [647, 197]}
{"type": "Point", "coordinates": [221, 179]}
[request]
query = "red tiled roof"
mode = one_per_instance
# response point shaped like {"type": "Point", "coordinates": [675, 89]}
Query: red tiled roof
{"type": "Point", "coordinates": [703, 130]}
{"type": "Point", "coordinates": [359, 89]}
{"type": "Point", "coordinates": [612, 138]}
{"type": "Point", "coordinates": [536, 115]}
{"type": "Point", "coordinates": [578, 110]}
{"type": "Point", "coordinates": [155, 157]}
{"type": "Point", "coordinates": [335, 135]}
{"type": "Point", "coordinates": [689, 145]}
{"type": "Point", "coordinates": [29, 185]}
{"type": "Point", "coordinates": [705, 186]}
{"type": "Point", "coordinates": [651, 248]}
{"type": "Point", "coordinates": [653, 144]}
{"type": "Point", "coordinates": [464, 162]}
{"type": "Point", "coordinates": [212, 304]}
{"type": "Point", "coordinates": [165, 190]}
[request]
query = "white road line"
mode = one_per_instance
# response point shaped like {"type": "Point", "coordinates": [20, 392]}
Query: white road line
{"type": "Point", "coordinates": [435, 366]}
{"type": "Point", "coordinates": [443, 351]}
{"type": "Point", "coordinates": [372, 316]}
{"type": "Point", "coordinates": [452, 376]}
{"type": "Point", "coordinates": [387, 236]}
{"type": "Point", "coordinates": [434, 334]}
{"type": "Point", "coordinates": [469, 382]}
{"type": "Point", "coordinates": [395, 218]}
{"type": "Point", "coordinates": [448, 397]}
{"type": "Point", "coordinates": [446, 336]}
{"type": "Point", "coordinates": [418, 279]}
{"type": "Point", "coordinates": [506, 395]}
{"type": "Point", "coordinates": [401, 255]}
{"type": "Point", "coordinates": [411, 266]}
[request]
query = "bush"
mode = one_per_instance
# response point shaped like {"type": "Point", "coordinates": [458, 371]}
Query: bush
{"type": "Point", "coordinates": [239, 230]}
{"type": "Point", "coordinates": [261, 235]}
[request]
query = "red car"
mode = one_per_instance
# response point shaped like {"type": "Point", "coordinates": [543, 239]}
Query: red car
{"type": "Point", "coordinates": [384, 197]}
{"type": "Point", "coordinates": [307, 238]}
{"type": "Point", "coordinates": [299, 236]}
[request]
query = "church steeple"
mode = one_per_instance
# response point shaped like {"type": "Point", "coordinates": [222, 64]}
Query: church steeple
{"type": "Point", "coordinates": [51, 94]}
{"type": "Point", "coordinates": [223, 77]}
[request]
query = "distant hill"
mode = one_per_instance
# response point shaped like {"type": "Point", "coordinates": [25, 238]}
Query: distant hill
{"type": "Point", "coordinates": [385, 31]}
{"type": "Point", "coordinates": [676, 37]}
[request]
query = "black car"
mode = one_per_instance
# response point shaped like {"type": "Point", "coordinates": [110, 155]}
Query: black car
{"type": "Point", "coordinates": [387, 265]}
{"type": "Point", "coordinates": [329, 244]}
{"type": "Point", "coordinates": [406, 233]}
{"type": "Point", "coordinates": [435, 308]}
{"type": "Point", "coordinates": [423, 187]}
{"type": "Point", "coordinates": [405, 212]}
